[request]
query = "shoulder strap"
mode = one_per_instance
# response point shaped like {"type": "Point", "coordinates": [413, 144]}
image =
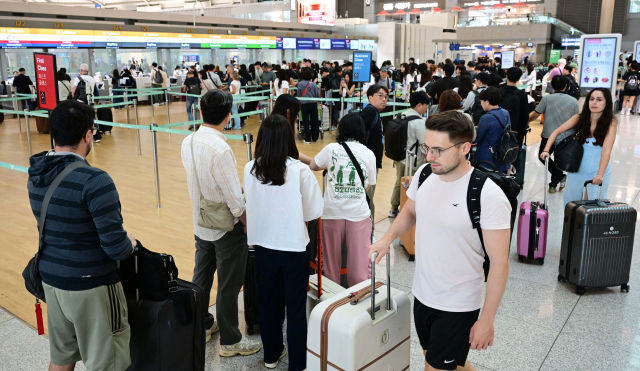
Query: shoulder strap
{"type": "Point", "coordinates": [193, 158]}
{"type": "Point", "coordinates": [358, 169]}
{"type": "Point", "coordinates": [306, 88]}
{"type": "Point", "coordinates": [474, 191]}
{"type": "Point", "coordinates": [424, 174]}
{"type": "Point", "coordinates": [497, 118]}
{"type": "Point", "coordinates": [47, 197]}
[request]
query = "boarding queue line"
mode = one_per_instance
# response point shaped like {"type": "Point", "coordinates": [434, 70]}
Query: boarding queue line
{"type": "Point", "coordinates": [166, 128]}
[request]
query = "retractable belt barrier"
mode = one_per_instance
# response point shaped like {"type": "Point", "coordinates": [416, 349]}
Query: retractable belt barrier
{"type": "Point", "coordinates": [106, 105]}
{"type": "Point", "coordinates": [19, 168]}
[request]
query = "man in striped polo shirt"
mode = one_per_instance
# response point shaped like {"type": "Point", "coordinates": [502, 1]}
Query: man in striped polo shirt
{"type": "Point", "coordinates": [82, 240]}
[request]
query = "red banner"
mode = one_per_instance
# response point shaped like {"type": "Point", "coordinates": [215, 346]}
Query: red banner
{"type": "Point", "coordinates": [46, 80]}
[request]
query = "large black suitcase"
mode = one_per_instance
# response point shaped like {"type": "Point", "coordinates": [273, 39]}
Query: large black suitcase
{"type": "Point", "coordinates": [251, 294]}
{"type": "Point", "coordinates": [105, 114]}
{"type": "Point", "coordinates": [159, 342]}
{"type": "Point", "coordinates": [597, 244]}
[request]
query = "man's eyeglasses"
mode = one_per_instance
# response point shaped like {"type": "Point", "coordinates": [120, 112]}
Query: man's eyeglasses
{"type": "Point", "coordinates": [436, 152]}
{"type": "Point", "coordinates": [382, 96]}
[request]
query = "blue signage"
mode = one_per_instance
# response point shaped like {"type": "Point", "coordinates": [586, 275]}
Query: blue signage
{"type": "Point", "coordinates": [307, 43]}
{"type": "Point", "coordinates": [452, 46]}
{"type": "Point", "coordinates": [340, 44]}
{"type": "Point", "coordinates": [457, 46]}
{"type": "Point", "coordinates": [362, 66]}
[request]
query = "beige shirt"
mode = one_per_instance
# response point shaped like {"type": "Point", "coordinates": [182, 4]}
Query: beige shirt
{"type": "Point", "coordinates": [216, 166]}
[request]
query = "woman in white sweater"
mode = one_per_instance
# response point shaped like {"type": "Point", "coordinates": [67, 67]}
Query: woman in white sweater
{"type": "Point", "coordinates": [529, 78]}
{"type": "Point", "coordinates": [281, 195]}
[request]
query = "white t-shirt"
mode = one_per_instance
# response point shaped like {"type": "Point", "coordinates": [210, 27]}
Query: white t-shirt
{"type": "Point", "coordinates": [276, 214]}
{"type": "Point", "coordinates": [449, 256]}
{"type": "Point", "coordinates": [345, 195]}
{"type": "Point", "coordinates": [236, 84]}
{"type": "Point", "coordinates": [89, 81]}
{"type": "Point", "coordinates": [208, 86]}
{"type": "Point", "coordinates": [177, 73]}
{"type": "Point", "coordinates": [279, 91]}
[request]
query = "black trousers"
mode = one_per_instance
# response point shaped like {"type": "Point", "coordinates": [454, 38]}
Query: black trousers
{"type": "Point", "coordinates": [310, 118]}
{"type": "Point", "coordinates": [335, 113]}
{"type": "Point", "coordinates": [275, 267]}
{"type": "Point", "coordinates": [516, 163]}
{"type": "Point", "coordinates": [556, 174]}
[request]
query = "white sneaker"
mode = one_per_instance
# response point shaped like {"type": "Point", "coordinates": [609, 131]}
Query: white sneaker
{"type": "Point", "coordinates": [244, 347]}
{"type": "Point", "coordinates": [211, 331]}
{"type": "Point", "coordinates": [275, 364]}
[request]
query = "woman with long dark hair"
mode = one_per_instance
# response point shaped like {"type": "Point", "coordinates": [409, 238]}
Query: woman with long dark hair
{"type": "Point", "coordinates": [281, 85]}
{"type": "Point", "coordinates": [529, 78]}
{"type": "Point", "coordinates": [281, 195]}
{"type": "Point", "coordinates": [346, 215]}
{"type": "Point", "coordinates": [115, 88]}
{"type": "Point", "coordinates": [289, 107]}
{"type": "Point", "coordinates": [596, 127]}
{"type": "Point", "coordinates": [465, 91]}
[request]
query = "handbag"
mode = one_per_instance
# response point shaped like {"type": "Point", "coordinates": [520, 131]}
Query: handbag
{"type": "Point", "coordinates": [152, 276]}
{"type": "Point", "coordinates": [568, 154]}
{"type": "Point", "coordinates": [213, 215]}
{"type": "Point", "coordinates": [31, 274]}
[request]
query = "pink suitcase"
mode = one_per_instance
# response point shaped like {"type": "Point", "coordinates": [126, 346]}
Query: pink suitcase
{"type": "Point", "coordinates": [533, 224]}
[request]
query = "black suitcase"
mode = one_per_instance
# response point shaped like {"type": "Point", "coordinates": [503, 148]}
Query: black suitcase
{"type": "Point", "coordinates": [105, 114]}
{"type": "Point", "coordinates": [251, 294]}
{"type": "Point", "coordinates": [597, 244]}
{"type": "Point", "coordinates": [159, 342]}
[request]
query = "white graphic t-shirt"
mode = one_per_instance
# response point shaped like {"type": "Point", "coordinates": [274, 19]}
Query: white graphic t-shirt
{"type": "Point", "coordinates": [345, 196]}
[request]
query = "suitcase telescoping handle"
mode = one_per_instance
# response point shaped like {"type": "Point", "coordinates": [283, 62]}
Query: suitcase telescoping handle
{"type": "Point", "coordinates": [546, 183]}
{"type": "Point", "coordinates": [410, 157]}
{"type": "Point", "coordinates": [584, 191]}
{"type": "Point", "coordinates": [373, 284]}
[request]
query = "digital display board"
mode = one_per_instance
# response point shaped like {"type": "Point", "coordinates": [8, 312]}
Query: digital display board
{"type": "Point", "coordinates": [288, 43]}
{"type": "Point", "coordinates": [355, 44]}
{"type": "Point", "coordinates": [318, 12]}
{"type": "Point", "coordinates": [636, 50]}
{"type": "Point", "coordinates": [45, 65]}
{"type": "Point", "coordinates": [325, 44]}
{"type": "Point", "coordinates": [362, 66]}
{"type": "Point", "coordinates": [339, 44]}
{"type": "Point", "coordinates": [599, 61]}
{"type": "Point", "coordinates": [302, 43]}
{"type": "Point", "coordinates": [508, 59]}
{"type": "Point", "coordinates": [367, 45]}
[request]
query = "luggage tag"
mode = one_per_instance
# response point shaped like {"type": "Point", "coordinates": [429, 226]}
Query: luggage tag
{"type": "Point", "coordinates": [39, 318]}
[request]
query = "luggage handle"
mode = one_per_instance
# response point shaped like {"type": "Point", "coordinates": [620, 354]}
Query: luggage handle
{"type": "Point", "coordinates": [374, 255]}
{"type": "Point", "coordinates": [546, 182]}
{"type": "Point", "coordinates": [409, 159]}
{"type": "Point", "coordinates": [584, 191]}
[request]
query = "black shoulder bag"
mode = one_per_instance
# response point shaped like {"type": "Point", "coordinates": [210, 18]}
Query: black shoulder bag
{"type": "Point", "coordinates": [31, 274]}
{"type": "Point", "coordinates": [355, 163]}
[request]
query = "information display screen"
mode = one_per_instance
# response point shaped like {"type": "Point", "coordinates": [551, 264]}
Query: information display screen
{"type": "Point", "coordinates": [636, 52]}
{"type": "Point", "coordinates": [46, 83]}
{"type": "Point", "coordinates": [355, 44]}
{"type": "Point", "coordinates": [497, 55]}
{"type": "Point", "coordinates": [362, 66]}
{"type": "Point", "coordinates": [288, 43]}
{"type": "Point", "coordinates": [367, 45]}
{"type": "Point", "coordinates": [508, 57]}
{"type": "Point", "coordinates": [598, 62]}
{"type": "Point", "coordinates": [307, 43]}
{"type": "Point", "coordinates": [325, 44]}
{"type": "Point", "coordinates": [339, 44]}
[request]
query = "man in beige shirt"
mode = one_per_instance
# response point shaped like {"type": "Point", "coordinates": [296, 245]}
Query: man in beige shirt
{"type": "Point", "coordinates": [218, 250]}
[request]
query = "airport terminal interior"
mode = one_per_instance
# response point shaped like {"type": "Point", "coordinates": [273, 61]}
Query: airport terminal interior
{"type": "Point", "coordinates": [571, 298]}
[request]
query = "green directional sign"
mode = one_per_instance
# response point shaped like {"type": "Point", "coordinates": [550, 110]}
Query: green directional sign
{"type": "Point", "coordinates": [555, 56]}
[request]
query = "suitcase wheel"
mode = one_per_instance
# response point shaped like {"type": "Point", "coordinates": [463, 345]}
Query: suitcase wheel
{"type": "Point", "coordinates": [624, 288]}
{"type": "Point", "coordinates": [299, 135]}
{"type": "Point", "coordinates": [322, 135]}
{"type": "Point", "coordinates": [561, 279]}
{"type": "Point", "coordinates": [520, 258]}
{"type": "Point", "coordinates": [412, 258]}
{"type": "Point", "coordinates": [580, 290]}
{"type": "Point", "coordinates": [541, 261]}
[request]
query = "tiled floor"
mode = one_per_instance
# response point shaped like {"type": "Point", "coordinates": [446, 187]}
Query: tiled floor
{"type": "Point", "coordinates": [541, 324]}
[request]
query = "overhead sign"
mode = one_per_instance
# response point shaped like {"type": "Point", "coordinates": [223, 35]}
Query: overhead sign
{"type": "Point", "coordinates": [508, 59]}
{"type": "Point", "coordinates": [554, 56]}
{"type": "Point", "coordinates": [599, 61]}
{"type": "Point", "coordinates": [46, 83]}
{"type": "Point", "coordinates": [636, 50]}
{"type": "Point", "coordinates": [362, 66]}
{"type": "Point", "coordinates": [468, 4]}
{"type": "Point", "coordinates": [570, 41]}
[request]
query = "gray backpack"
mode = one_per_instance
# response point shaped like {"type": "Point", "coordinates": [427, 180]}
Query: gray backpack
{"type": "Point", "coordinates": [157, 77]}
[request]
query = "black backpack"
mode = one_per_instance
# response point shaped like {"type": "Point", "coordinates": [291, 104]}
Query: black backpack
{"type": "Point", "coordinates": [573, 89]}
{"type": "Point", "coordinates": [479, 176]}
{"type": "Point", "coordinates": [395, 137]}
{"type": "Point", "coordinates": [476, 111]}
{"type": "Point", "coordinates": [511, 103]}
{"type": "Point", "coordinates": [157, 77]}
{"type": "Point", "coordinates": [81, 90]}
{"type": "Point", "coordinates": [508, 148]}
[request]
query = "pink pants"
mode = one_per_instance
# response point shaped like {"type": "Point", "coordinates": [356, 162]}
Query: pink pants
{"type": "Point", "coordinates": [358, 238]}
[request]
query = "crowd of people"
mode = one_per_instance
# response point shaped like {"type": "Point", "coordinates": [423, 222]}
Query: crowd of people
{"type": "Point", "coordinates": [457, 115]}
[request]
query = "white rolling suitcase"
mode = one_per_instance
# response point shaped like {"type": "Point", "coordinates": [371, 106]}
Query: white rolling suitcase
{"type": "Point", "coordinates": [325, 118]}
{"type": "Point", "coordinates": [359, 330]}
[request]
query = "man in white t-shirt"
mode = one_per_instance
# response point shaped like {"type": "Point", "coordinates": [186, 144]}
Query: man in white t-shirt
{"type": "Point", "coordinates": [449, 271]}
{"type": "Point", "coordinates": [90, 82]}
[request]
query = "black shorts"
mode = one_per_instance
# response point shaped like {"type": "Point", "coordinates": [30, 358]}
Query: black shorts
{"type": "Point", "coordinates": [444, 335]}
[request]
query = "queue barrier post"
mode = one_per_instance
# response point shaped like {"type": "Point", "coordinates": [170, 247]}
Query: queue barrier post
{"type": "Point", "coordinates": [128, 120]}
{"type": "Point", "coordinates": [248, 138]}
{"type": "Point", "coordinates": [20, 124]}
{"type": "Point", "coordinates": [155, 162]}
{"type": "Point", "coordinates": [270, 96]}
{"type": "Point", "coordinates": [135, 112]}
{"type": "Point", "coordinates": [166, 98]}
{"type": "Point", "coordinates": [341, 106]}
{"type": "Point", "coordinates": [153, 117]}
{"type": "Point", "coordinates": [26, 121]}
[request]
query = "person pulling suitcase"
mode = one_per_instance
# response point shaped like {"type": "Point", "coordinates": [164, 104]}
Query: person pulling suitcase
{"type": "Point", "coordinates": [450, 254]}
